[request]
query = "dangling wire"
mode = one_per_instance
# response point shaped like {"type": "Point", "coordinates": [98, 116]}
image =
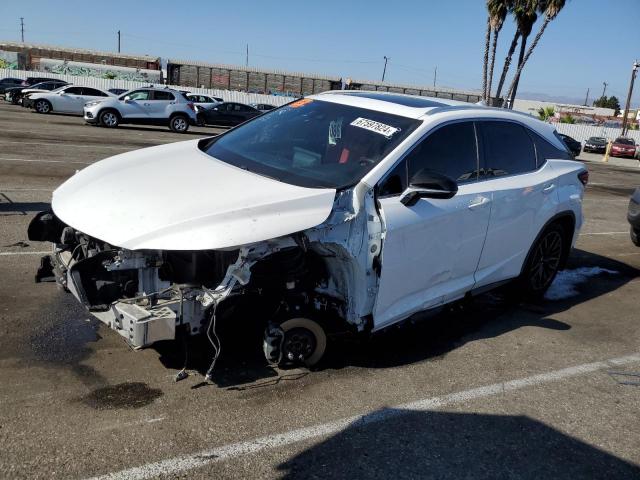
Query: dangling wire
{"type": "Point", "coordinates": [217, 346]}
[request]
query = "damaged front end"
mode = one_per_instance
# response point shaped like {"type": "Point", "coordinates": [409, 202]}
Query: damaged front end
{"type": "Point", "coordinates": [143, 295]}
{"type": "Point", "coordinates": [325, 276]}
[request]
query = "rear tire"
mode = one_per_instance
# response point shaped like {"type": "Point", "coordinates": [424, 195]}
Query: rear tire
{"type": "Point", "coordinates": [42, 106]}
{"type": "Point", "coordinates": [109, 118]}
{"type": "Point", "coordinates": [179, 124]}
{"type": "Point", "coordinates": [543, 263]}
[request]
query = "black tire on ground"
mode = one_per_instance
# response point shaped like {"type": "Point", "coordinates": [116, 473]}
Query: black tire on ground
{"type": "Point", "coordinates": [635, 237]}
{"type": "Point", "coordinates": [543, 263]}
{"type": "Point", "coordinates": [305, 342]}
{"type": "Point", "coordinates": [109, 118]}
{"type": "Point", "coordinates": [42, 106]}
{"type": "Point", "coordinates": [179, 123]}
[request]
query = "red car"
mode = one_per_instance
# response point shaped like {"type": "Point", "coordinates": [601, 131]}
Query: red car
{"type": "Point", "coordinates": [623, 147]}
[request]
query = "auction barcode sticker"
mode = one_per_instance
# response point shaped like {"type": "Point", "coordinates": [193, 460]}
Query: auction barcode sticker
{"type": "Point", "coordinates": [372, 125]}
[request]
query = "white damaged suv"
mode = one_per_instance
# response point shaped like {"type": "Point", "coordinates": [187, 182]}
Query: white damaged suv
{"type": "Point", "coordinates": [343, 211]}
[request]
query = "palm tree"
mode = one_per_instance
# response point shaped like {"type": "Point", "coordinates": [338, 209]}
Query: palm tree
{"type": "Point", "coordinates": [551, 9]}
{"type": "Point", "coordinates": [486, 57]}
{"type": "Point", "coordinates": [526, 16]}
{"type": "Point", "coordinates": [545, 113]}
{"type": "Point", "coordinates": [497, 14]}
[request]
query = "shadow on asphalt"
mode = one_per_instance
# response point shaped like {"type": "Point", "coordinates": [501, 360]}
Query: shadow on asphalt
{"type": "Point", "coordinates": [446, 445]}
{"type": "Point", "coordinates": [422, 338]}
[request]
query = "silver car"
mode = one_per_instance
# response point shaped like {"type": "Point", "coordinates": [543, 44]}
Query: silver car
{"type": "Point", "coordinates": [144, 106]}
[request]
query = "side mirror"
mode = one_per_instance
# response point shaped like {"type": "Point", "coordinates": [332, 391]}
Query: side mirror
{"type": "Point", "coordinates": [428, 184]}
{"type": "Point", "coordinates": [127, 99]}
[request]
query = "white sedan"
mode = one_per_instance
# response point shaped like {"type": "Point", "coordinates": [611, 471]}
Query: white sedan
{"type": "Point", "coordinates": [68, 99]}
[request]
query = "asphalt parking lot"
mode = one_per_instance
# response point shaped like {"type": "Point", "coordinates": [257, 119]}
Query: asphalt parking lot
{"type": "Point", "coordinates": [491, 389]}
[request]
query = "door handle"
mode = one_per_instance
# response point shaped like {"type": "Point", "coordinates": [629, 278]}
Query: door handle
{"type": "Point", "coordinates": [479, 202]}
{"type": "Point", "coordinates": [147, 104]}
{"type": "Point", "coordinates": [548, 187]}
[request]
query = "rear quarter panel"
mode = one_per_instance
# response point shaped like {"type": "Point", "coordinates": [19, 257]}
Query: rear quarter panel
{"type": "Point", "coordinates": [570, 190]}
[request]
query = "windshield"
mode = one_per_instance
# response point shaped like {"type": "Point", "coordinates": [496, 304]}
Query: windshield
{"type": "Point", "coordinates": [625, 141]}
{"type": "Point", "coordinates": [597, 140]}
{"type": "Point", "coordinates": [313, 143]}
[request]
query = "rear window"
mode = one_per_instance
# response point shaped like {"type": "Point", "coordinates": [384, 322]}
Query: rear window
{"type": "Point", "coordinates": [158, 95]}
{"type": "Point", "coordinates": [625, 141]}
{"type": "Point", "coordinates": [508, 149]}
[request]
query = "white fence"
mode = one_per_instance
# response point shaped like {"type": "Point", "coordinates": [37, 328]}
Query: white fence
{"type": "Point", "coordinates": [581, 132]}
{"type": "Point", "coordinates": [105, 84]}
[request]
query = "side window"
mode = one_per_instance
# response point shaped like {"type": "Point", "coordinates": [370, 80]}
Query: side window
{"type": "Point", "coordinates": [546, 151]}
{"type": "Point", "coordinates": [139, 95]}
{"type": "Point", "coordinates": [450, 150]}
{"type": "Point", "coordinates": [73, 91]}
{"type": "Point", "coordinates": [508, 149]}
{"type": "Point", "coordinates": [395, 182]}
{"type": "Point", "coordinates": [158, 95]}
{"type": "Point", "coordinates": [92, 92]}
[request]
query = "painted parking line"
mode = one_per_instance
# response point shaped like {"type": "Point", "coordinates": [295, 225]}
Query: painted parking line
{"type": "Point", "coordinates": [189, 462]}
{"type": "Point", "coordinates": [626, 232]}
{"type": "Point", "coordinates": [30, 160]}
{"type": "Point", "coordinates": [9, 254]}
{"type": "Point", "coordinates": [63, 144]}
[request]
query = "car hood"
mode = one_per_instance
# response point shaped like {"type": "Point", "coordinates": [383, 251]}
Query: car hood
{"type": "Point", "coordinates": [176, 197]}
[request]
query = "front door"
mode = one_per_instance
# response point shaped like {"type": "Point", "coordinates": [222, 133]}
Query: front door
{"type": "Point", "coordinates": [431, 250]}
{"type": "Point", "coordinates": [134, 107]}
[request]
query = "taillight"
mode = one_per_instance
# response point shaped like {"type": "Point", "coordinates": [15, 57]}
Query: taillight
{"type": "Point", "coordinates": [583, 176]}
{"type": "Point", "coordinates": [191, 106]}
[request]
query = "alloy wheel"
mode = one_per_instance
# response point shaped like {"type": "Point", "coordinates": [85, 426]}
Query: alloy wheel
{"type": "Point", "coordinates": [42, 107]}
{"type": "Point", "coordinates": [546, 260]}
{"type": "Point", "coordinates": [179, 124]}
{"type": "Point", "coordinates": [109, 119]}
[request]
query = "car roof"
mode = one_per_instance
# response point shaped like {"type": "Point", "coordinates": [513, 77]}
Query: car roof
{"type": "Point", "coordinates": [436, 109]}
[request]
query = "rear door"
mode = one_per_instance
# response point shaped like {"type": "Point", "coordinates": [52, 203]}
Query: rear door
{"type": "Point", "coordinates": [524, 194]}
{"type": "Point", "coordinates": [431, 249]}
{"type": "Point", "coordinates": [159, 102]}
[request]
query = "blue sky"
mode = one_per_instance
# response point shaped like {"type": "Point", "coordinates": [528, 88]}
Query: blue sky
{"type": "Point", "coordinates": [592, 41]}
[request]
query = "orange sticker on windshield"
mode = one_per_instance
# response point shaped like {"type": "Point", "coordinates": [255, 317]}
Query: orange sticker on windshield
{"type": "Point", "coordinates": [300, 102]}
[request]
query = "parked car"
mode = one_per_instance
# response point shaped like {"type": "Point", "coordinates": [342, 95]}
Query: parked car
{"type": "Point", "coordinates": [595, 145]}
{"type": "Point", "coordinates": [144, 106]}
{"type": "Point", "coordinates": [23, 95]}
{"type": "Point", "coordinates": [227, 114]}
{"type": "Point", "coordinates": [67, 99]}
{"type": "Point", "coordinates": [117, 91]}
{"type": "Point", "coordinates": [575, 147]}
{"type": "Point", "coordinates": [623, 147]}
{"type": "Point", "coordinates": [27, 82]}
{"type": "Point", "coordinates": [203, 101]}
{"type": "Point", "coordinates": [340, 212]}
{"type": "Point", "coordinates": [263, 107]}
{"type": "Point", "coordinates": [9, 82]}
{"type": "Point", "coordinates": [633, 215]}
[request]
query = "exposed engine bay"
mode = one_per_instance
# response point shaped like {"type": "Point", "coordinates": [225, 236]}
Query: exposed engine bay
{"type": "Point", "coordinates": [322, 280]}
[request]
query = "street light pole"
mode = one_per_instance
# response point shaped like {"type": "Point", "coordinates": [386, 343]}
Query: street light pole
{"type": "Point", "coordinates": [385, 67]}
{"type": "Point", "coordinates": [118, 41]}
{"type": "Point", "coordinates": [625, 113]}
{"type": "Point", "coordinates": [605, 88]}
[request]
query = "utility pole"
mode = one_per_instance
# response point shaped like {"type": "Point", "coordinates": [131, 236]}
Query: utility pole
{"type": "Point", "coordinates": [605, 87]}
{"type": "Point", "coordinates": [246, 62]}
{"type": "Point", "coordinates": [384, 70]}
{"type": "Point", "coordinates": [625, 113]}
{"type": "Point", "coordinates": [435, 75]}
{"type": "Point", "coordinates": [118, 41]}
{"type": "Point", "coordinates": [22, 28]}
{"type": "Point", "coordinates": [586, 99]}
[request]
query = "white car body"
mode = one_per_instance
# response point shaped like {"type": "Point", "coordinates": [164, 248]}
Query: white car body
{"type": "Point", "coordinates": [203, 101]}
{"type": "Point", "coordinates": [385, 260]}
{"type": "Point", "coordinates": [69, 99]}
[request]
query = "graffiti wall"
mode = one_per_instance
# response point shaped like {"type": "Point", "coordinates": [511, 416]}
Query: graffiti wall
{"type": "Point", "coordinates": [112, 72]}
{"type": "Point", "coordinates": [9, 60]}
